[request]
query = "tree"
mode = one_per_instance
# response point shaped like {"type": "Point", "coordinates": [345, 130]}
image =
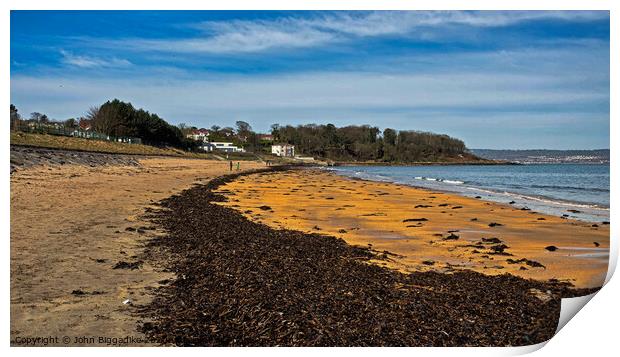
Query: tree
{"type": "Point", "coordinates": [35, 116]}
{"type": "Point", "coordinates": [275, 131]}
{"type": "Point", "coordinates": [15, 117]}
{"type": "Point", "coordinates": [117, 118]}
{"type": "Point", "coordinates": [71, 123]}
{"type": "Point", "coordinates": [243, 130]}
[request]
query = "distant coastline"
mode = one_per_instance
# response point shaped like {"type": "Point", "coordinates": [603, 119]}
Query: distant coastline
{"type": "Point", "coordinates": [433, 163]}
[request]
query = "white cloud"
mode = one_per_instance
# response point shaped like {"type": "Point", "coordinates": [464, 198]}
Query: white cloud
{"type": "Point", "coordinates": [285, 97]}
{"type": "Point", "coordinates": [92, 62]}
{"type": "Point", "coordinates": [244, 36]}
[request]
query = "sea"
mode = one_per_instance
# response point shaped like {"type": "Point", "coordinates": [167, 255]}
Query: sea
{"type": "Point", "coordinates": [576, 191]}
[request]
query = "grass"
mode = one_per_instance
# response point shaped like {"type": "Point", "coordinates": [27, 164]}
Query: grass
{"type": "Point", "coordinates": [80, 144]}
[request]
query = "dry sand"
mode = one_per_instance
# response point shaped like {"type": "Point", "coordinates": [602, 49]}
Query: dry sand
{"type": "Point", "coordinates": [373, 213]}
{"type": "Point", "coordinates": [68, 231]}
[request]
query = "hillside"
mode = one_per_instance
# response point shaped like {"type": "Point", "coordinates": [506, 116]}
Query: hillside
{"type": "Point", "coordinates": [79, 144]}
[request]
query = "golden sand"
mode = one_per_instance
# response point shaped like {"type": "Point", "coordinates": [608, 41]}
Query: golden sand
{"type": "Point", "coordinates": [374, 213]}
{"type": "Point", "coordinates": [68, 231]}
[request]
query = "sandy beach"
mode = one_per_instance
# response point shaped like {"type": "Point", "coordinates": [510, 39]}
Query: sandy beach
{"type": "Point", "coordinates": [149, 247]}
{"type": "Point", "coordinates": [76, 241]}
{"type": "Point", "coordinates": [423, 230]}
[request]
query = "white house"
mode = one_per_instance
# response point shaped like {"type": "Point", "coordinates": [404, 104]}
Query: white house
{"type": "Point", "coordinates": [286, 150]}
{"type": "Point", "coordinates": [199, 135]}
{"type": "Point", "coordinates": [221, 146]}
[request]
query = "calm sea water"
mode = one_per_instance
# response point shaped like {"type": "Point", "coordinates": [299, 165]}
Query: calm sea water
{"type": "Point", "coordinates": [548, 188]}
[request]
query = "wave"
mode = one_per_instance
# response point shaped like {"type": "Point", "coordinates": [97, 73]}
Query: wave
{"type": "Point", "coordinates": [454, 182]}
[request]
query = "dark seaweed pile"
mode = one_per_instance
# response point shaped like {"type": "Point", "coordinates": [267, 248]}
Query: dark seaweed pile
{"type": "Point", "coordinates": [244, 284]}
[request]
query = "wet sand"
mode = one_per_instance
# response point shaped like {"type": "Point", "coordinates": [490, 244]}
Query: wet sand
{"type": "Point", "coordinates": [423, 230]}
{"type": "Point", "coordinates": [77, 236]}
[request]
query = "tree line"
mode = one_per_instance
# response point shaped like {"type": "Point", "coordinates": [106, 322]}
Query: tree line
{"type": "Point", "coordinates": [368, 143]}
{"type": "Point", "coordinates": [350, 143]}
{"type": "Point", "coordinates": [120, 119]}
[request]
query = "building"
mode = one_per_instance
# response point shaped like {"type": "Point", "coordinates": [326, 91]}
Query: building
{"type": "Point", "coordinates": [201, 134]}
{"type": "Point", "coordinates": [284, 150]}
{"type": "Point", "coordinates": [221, 146]}
{"type": "Point", "coordinates": [265, 137]}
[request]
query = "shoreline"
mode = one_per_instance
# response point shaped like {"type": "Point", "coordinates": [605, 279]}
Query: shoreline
{"type": "Point", "coordinates": [244, 283]}
{"type": "Point", "coordinates": [549, 205]}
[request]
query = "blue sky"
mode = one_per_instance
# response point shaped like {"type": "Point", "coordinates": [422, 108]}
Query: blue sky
{"type": "Point", "coordinates": [496, 79]}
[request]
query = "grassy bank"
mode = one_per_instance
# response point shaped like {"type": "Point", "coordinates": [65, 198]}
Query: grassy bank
{"type": "Point", "coordinates": [109, 147]}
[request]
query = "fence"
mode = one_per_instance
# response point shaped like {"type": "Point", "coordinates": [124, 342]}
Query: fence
{"type": "Point", "coordinates": [52, 129]}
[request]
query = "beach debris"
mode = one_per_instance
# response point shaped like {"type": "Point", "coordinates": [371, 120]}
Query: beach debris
{"type": "Point", "coordinates": [544, 296]}
{"type": "Point", "coordinates": [316, 228]}
{"type": "Point", "coordinates": [499, 249]}
{"type": "Point", "coordinates": [422, 206]}
{"type": "Point", "coordinates": [478, 197]}
{"type": "Point", "coordinates": [596, 244]}
{"type": "Point", "coordinates": [573, 211]}
{"type": "Point", "coordinates": [443, 205]}
{"type": "Point", "coordinates": [540, 219]}
{"type": "Point", "coordinates": [127, 302]}
{"type": "Point", "coordinates": [457, 207]}
{"type": "Point", "coordinates": [130, 229]}
{"type": "Point", "coordinates": [474, 219]}
{"type": "Point", "coordinates": [128, 265]}
{"type": "Point", "coordinates": [525, 209]}
{"type": "Point", "coordinates": [78, 292]}
{"type": "Point", "coordinates": [604, 222]}
{"type": "Point", "coordinates": [415, 220]}
{"type": "Point", "coordinates": [452, 236]}
{"type": "Point", "coordinates": [342, 230]}
{"type": "Point", "coordinates": [532, 263]}
{"type": "Point", "coordinates": [511, 202]}
{"type": "Point", "coordinates": [551, 248]}
{"type": "Point", "coordinates": [493, 240]}
{"type": "Point", "coordinates": [495, 224]}
{"type": "Point", "coordinates": [265, 208]}
{"type": "Point", "coordinates": [595, 226]}
{"type": "Point", "coordinates": [240, 283]}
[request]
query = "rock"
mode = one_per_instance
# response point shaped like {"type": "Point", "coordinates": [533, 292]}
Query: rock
{"type": "Point", "coordinates": [452, 236]}
{"type": "Point", "coordinates": [128, 265]}
{"type": "Point", "coordinates": [493, 240]}
{"type": "Point", "coordinates": [415, 220]}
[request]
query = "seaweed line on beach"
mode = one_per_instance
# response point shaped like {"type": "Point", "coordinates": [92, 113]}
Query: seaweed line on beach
{"type": "Point", "coordinates": [241, 283]}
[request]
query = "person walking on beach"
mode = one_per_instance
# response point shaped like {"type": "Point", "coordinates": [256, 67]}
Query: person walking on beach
{"type": "Point", "coordinates": [238, 164]}
{"type": "Point", "coordinates": [230, 165]}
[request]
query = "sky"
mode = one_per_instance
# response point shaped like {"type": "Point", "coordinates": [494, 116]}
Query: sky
{"type": "Point", "coordinates": [495, 79]}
